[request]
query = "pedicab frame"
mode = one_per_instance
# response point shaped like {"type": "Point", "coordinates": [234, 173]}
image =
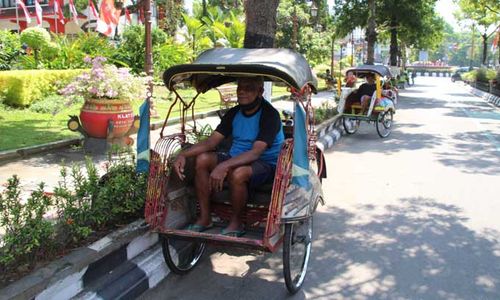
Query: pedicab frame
{"type": "Point", "coordinates": [382, 116]}
{"type": "Point", "coordinates": [286, 218]}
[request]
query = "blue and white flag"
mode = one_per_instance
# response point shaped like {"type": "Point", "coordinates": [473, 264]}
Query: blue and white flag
{"type": "Point", "coordinates": [300, 169]}
{"type": "Point", "coordinates": [143, 139]}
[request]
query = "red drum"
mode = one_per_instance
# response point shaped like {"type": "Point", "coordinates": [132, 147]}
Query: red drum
{"type": "Point", "coordinates": [95, 115]}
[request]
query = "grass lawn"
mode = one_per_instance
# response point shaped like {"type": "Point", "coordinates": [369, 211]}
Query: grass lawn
{"type": "Point", "coordinates": [23, 128]}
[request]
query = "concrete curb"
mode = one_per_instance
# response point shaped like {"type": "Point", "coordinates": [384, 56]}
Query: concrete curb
{"type": "Point", "coordinates": [23, 152]}
{"type": "Point", "coordinates": [329, 132]}
{"type": "Point", "coordinates": [75, 272]}
{"type": "Point", "coordinates": [495, 100]}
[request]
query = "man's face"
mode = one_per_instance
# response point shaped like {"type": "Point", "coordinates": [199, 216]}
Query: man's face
{"type": "Point", "coordinates": [370, 79]}
{"type": "Point", "coordinates": [248, 90]}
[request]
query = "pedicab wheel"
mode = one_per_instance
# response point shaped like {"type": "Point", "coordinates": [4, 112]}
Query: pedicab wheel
{"type": "Point", "coordinates": [180, 255]}
{"type": "Point", "coordinates": [350, 125]}
{"type": "Point", "coordinates": [384, 123]}
{"type": "Point", "coordinates": [296, 253]}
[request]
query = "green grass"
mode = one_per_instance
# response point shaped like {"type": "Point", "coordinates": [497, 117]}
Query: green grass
{"type": "Point", "coordinates": [23, 128]}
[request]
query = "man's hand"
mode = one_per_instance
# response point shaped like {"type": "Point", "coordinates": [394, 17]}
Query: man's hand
{"type": "Point", "coordinates": [179, 164]}
{"type": "Point", "coordinates": [216, 180]}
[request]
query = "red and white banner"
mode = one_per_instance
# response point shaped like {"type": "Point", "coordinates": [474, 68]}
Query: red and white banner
{"type": "Point", "coordinates": [92, 11]}
{"type": "Point", "coordinates": [494, 44]}
{"type": "Point", "coordinates": [72, 8]}
{"type": "Point", "coordinates": [39, 13]}
{"type": "Point", "coordinates": [25, 10]}
{"type": "Point", "coordinates": [58, 11]}
{"type": "Point", "coordinates": [127, 16]}
{"type": "Point", "coordinates": [108, 19]}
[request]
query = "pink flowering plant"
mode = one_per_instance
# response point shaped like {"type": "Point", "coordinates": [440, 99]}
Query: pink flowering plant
{"type": "Point", "coordinates": [106, 81]}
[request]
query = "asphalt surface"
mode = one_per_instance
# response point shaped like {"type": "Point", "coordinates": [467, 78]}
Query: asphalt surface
{"type": "Point", "coordinates": [413, 216]}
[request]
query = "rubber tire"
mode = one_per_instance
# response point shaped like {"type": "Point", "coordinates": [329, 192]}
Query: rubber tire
{"type": "Point", "coordinates": [382, 129]}
{"type": "Point", "coordinates": [350, 130]}
{"type": "Point", "coordinates": [192, 260]}
{"type": "Point", "coordinates": [293, 285]}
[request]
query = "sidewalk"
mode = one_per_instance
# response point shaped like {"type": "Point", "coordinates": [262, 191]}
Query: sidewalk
{"type": "Point", "coordinates": [45, 167]}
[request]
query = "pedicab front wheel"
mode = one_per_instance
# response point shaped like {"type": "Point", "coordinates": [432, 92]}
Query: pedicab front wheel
{"type": "Point", "coordinates": [296, 253]}
{"type": "Point", "coordinates": [384, 123]}
{"type": "Point", "coordinates": [181, 256]}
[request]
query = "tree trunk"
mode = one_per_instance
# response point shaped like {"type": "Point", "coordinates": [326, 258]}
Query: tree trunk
{"type": "Point", "coordinates": [204, 7]}
{"type": "Point", "coordinates": [260, 23]}
{"type": "Point", "coordinates": [371, 34]}
{"type": "Point", "coordinates": [485, 48]}
{"type": "Point", "coordinates": [394, 44]}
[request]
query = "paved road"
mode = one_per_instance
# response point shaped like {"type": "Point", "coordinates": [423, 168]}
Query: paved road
{"type": "Point", "coordinates": [414, 216]}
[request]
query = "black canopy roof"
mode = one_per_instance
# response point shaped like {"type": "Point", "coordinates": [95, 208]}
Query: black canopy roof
{"type": "Point", "coordinates": [361, 71]}
{"type": "Point", "coordinates": [217, 66]}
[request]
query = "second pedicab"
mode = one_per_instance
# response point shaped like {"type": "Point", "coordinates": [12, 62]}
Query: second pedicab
{"type": "Point", "coordinates": [382, 105]}
{"type": "Point", "coordinates": [277, 215]}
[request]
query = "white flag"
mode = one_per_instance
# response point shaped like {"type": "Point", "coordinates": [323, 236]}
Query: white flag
{"type": "Point", "coordinates": [26, 13]}
{"type": "Point", "coordinates": [72, 8]}
{"type": "Point", "coordinates": [38, 10]}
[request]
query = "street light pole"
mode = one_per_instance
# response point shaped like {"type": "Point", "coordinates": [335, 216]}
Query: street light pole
{"type": "Point", "coordinates": [148, 63]}
{"type": "Point", "coordinates": [294, 30]}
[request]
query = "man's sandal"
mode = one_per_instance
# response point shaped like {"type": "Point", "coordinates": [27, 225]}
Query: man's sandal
{"type": "Point", "coordinates": [233, 232]}
{"type": "Point", "coordinates": [198, 227]}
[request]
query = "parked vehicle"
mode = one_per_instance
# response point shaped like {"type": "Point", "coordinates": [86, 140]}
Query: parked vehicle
{"type": "Point", "coordinates": [382, 105]}
{"type": "Point", "coordinates": [277, 215]}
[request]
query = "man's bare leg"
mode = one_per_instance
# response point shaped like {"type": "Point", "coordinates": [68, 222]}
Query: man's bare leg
{"type": "Point", "coordinates": [238, 183]}
{"type": "Point", "coordinates": [205, 163]}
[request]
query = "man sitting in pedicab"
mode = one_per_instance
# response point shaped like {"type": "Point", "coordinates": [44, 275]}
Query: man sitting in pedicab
{"type": "Point", "coordinates": [363, 94]}
{"type": "Point", "coordinates": [257, 137]}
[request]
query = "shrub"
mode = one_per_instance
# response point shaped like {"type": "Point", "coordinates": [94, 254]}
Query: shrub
{"type": "Point", "coordinates": [27, 233]}
{"type": "Point", "coordinates": [36, 38]}
{"type": "Point", "coordinates": [83, 201]}
{"type": "Point", "coordinates": [50, 104]}
{"type": "Point", "coordinates": [10, 49]}
{"type": "Point", "coordinates": [74, 206]}
{"type": "Point", "coordinates": [165, 51]}
{"type": "Point", "coordinates": [324, 112]}
{"type": "Point", "coordinates": [23, 87]}
{"type": "Point", "coordinates": [481, 75]}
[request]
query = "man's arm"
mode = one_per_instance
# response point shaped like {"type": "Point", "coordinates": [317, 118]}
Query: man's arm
{"type": "Point", "coordinates": [218, 174]}
{"type": "Point", "coordinates": [204, 146]}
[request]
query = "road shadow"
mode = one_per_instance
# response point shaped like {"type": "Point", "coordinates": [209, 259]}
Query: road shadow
{"type": "Point", "coordinates": [473, 153]}
{"type": "Point", "coordinates": [367, 140]}
{"type": "Point", "coordinates": [415, 249]}
{"type": "Point", "coordinates": [420, 103]}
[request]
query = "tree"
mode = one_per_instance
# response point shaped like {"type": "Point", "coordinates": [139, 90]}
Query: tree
{"type": "Point", "coordinates": [169, 15]}
{"type": "Point", "coordinates": [260, 23]}
{"type": "Point", "coordinates": [371, 33]}
{"type": "Point", "coordinates": [414, 18]}
{"type": "Point", "coordinates": [483, 13]}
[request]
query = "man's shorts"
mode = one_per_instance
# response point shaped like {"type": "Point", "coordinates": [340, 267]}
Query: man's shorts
{"type": "Point", "coordinates": [262, 172]}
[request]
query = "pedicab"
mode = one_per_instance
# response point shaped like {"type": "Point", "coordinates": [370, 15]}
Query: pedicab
{"type": "Point", "coordinates": [382, 104]}
{"type": "Point", "coordinates": [277, 215]}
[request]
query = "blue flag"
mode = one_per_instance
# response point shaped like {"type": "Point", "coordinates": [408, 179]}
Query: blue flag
{"type": "Point", "coordinates": [300, 169]}
{"type": "Point", "coordinates": [143, 140]}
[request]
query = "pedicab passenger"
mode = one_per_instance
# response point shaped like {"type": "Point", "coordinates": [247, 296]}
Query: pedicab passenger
{"type": "Point", "coordinates": [363, 94]}
{"type": "Point", "coordinates": [257, 133]}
